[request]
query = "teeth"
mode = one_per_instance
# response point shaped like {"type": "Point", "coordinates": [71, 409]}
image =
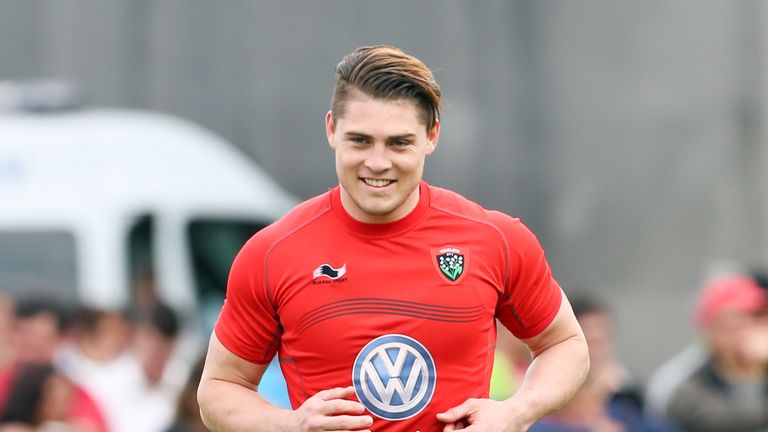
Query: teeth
{"type": "Point", "coordinates": [376, 182]}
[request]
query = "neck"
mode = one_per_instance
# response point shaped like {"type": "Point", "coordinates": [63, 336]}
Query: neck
{"type": "Point", "coordinates": [738, 371]}
{"type": "Point", "coordinates": [402, 210]}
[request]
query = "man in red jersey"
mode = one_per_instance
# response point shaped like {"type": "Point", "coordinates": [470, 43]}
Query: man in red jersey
{"type": "Point", "coordinates": [380, 297]}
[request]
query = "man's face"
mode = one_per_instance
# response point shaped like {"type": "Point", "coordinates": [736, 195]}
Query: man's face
{"type": "Point", "coordinates": [735, 335]}
{"type": "Point", "coordinates": [597, 329]}
{"type": "Point", "coordinates": [36, 338]}
{"type": "Point", "coordinates": [154, 350]}
{"type": "Point", "coordinates": [380, 150]}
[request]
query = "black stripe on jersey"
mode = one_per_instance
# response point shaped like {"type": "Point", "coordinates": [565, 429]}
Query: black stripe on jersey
{"type": "Point", "coordinates": [387, 306]}
{"type": "Point", "coordinates": [425, 307]}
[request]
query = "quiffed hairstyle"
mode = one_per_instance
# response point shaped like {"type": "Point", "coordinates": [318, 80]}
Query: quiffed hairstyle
{"type": "Point", "coordinates": [386, 72]}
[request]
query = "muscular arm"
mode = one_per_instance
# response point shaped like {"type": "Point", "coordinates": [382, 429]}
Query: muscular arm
{"type": "Point", "coordinates": [559, 367]}
{"type": "Point", "coordinates": [560, 364]}
{"type": "Point", "coordinates": [227, 396]}
{"type": "Point", "coordinates": [228, 401]}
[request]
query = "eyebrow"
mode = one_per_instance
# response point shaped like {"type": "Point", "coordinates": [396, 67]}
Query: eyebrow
{"type": "Point", "coordinates": [389, 138]}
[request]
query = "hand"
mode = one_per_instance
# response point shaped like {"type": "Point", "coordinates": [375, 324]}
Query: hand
{"type": "Point", "coordinates": [481, 415]}
{"type": "Point", "coordinates": [328, 410]}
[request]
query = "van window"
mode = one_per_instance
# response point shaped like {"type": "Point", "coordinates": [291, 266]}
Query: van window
{"type": "Point", "coordinates": [39, 264]}
{"type": "Point", "coordinates": [213, 245]}
{"type": "Point", "coordinates": [141, 262]}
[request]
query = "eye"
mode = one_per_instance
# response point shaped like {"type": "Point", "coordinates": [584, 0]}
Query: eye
{"type": "Point", "coordinates": [401, 143]}
{"type": "Point", "coordinates": [358, 139]}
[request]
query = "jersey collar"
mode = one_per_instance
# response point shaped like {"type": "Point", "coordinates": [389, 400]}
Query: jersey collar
{"type": "Point", "coordinates": [383, 229]}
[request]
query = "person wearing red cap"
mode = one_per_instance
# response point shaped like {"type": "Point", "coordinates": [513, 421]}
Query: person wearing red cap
{"type": "Point", "coordinates": [729, 392]}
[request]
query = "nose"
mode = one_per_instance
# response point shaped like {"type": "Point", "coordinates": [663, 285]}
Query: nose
{"type": "Point", "coordinates": [377, 160]}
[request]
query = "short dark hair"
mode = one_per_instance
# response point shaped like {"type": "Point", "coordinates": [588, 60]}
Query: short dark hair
{"type": "Point", "coordinates": [32, 307]}
{"type": "Point", "coordinates": [584, 303]}
{"type": "Point", "coordinates": [162, 318]}
{"type": "Point", "coordinates": [386, 72]}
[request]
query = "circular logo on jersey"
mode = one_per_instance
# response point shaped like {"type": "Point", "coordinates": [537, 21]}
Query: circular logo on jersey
{"type": "Point", "coordinates": [394, 377]}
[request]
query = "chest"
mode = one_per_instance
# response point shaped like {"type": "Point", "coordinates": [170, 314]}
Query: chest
{"type": "Point", "coordinates": [354, 290]}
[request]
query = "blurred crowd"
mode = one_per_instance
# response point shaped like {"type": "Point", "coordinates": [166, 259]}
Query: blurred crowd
{"type": "Point", "coordinates": [93, 370]}
{"type": "Point", "coordinates": [110, 371]}
{"type": "Point", "coordinates": [719, 383]}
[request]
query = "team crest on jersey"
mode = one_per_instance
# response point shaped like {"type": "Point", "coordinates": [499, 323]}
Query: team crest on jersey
{"type": "Point", "coordinates": [394, 376]}
{"type": "Point", "coordinates": [451, 262]}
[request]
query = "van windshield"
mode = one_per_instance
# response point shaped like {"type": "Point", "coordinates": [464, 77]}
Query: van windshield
{"type": "Point", "coordinates": [213, 245]}
{"type": "Point", "coordinates": [36, 264]}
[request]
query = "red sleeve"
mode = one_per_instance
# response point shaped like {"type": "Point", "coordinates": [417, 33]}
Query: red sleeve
{"type": "Point", "coordinates": [531, 296]}
{"type": "Point", "coordinates": [248, 325]}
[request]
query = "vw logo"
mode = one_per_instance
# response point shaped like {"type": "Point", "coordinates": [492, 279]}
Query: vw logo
{"type": "Point", "coordinates": [394, 377]}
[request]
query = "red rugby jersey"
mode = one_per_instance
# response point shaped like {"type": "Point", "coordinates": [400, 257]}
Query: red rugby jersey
{"type": "Point", "coordinates": [404, 311]}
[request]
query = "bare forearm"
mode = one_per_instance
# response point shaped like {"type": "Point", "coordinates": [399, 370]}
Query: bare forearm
{"type": "Point", "coordinates": [226, 406]}
{"type": "Point", "coordinates": [551, 380]}
{"type": "Point", "coordinates": [229, 403]}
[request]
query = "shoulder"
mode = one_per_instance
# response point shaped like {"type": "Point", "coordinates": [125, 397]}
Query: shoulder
{"type": "Point", "coordinates": [300, 217]}
{"type": "Point", "coordinates": [703, 379]}
{"type": "Point", "coordinates": [303, 214]}
{"type": "Point", "coordinates": [702, 386]}
{"type": "Point", "coordinates": [452, 203]}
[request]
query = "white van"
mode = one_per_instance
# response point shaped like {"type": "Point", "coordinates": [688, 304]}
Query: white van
{"type": "Point", "coordinates": [111, 208]}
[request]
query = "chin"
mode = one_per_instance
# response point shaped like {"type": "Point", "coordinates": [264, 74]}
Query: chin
{"type": "Point", "coordinates": [378, 208]}
{"type": "Point", "coordinates": [377, 211]}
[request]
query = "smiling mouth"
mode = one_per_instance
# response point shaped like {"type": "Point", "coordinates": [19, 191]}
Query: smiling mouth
{"type": "Point", "coordinates": [377, 182]}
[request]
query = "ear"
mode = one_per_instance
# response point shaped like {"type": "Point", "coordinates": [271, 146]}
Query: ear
{"type": "Point", "coordinates": [330, 129]}
{"type": "Point", "coordinates": [432, 137]}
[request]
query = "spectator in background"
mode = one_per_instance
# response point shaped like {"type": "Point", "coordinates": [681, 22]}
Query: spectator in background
{"type": "Point", "coordinates": [670, 375]}
{"type": "Point", "coordinates": [609, 400]}
{"type": "Point", "coordinates": [729, 392]}
{"type": "Point", "coordinates": [129, 368]}
{"type": "Point", "coordinates": [511, 360]}
{"type": "Point", "coordinates": [188, 411]}
{"type": "Point", "coordinates": [684, 364]}
{"type": "Point", "coordinates": [155, 342]}
{"type": "Point", "coordinates": [7, 314]}
{"type": "Point", "coordinates": [38, 332]}
{"type": "Point", "coordinates": [97, 358]}
{"type": "Point", "coordinates": [147, 402]}
{"type": "Point", "coordinates": [41, 399]}
{"type": "Point", "coordinates": [100, 335]}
